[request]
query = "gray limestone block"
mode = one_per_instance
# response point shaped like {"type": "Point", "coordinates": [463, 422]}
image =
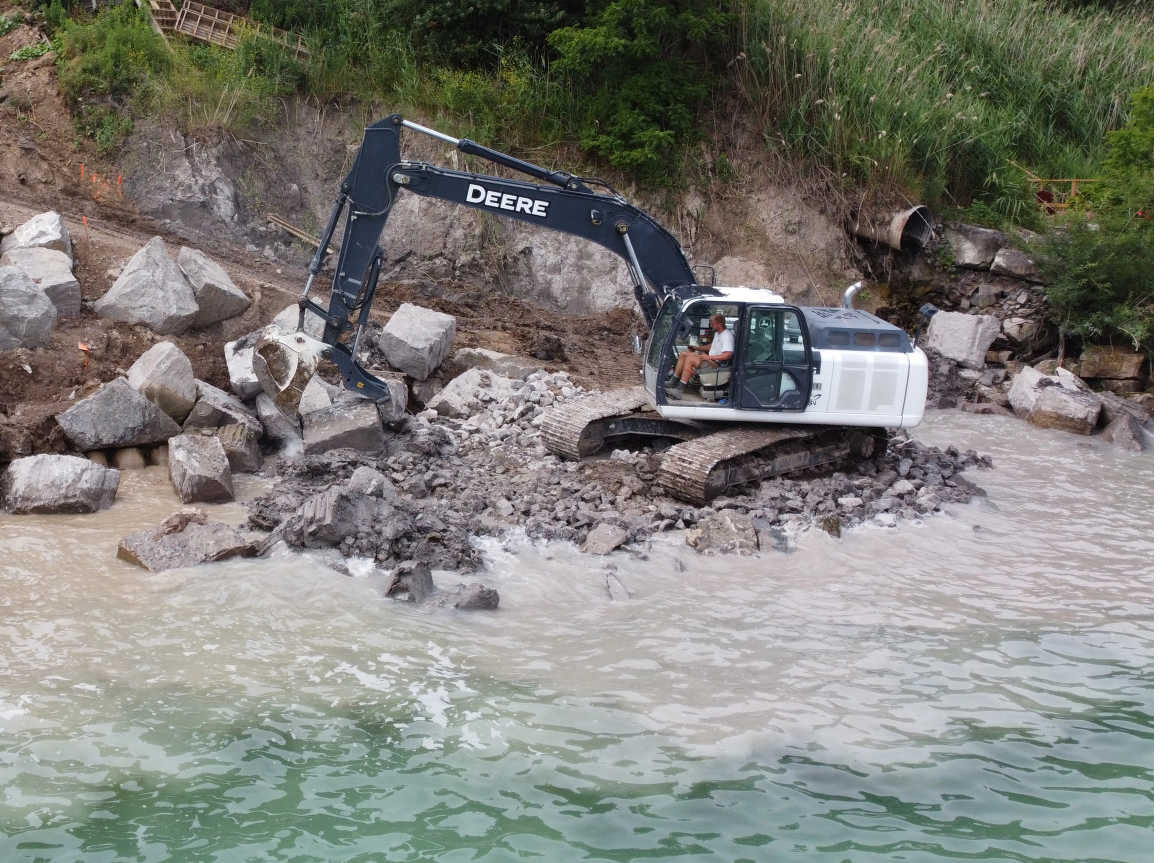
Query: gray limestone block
{"type": "Point", "coordinates": [1068, 410]}
{"type": "Point", "coordinates": [152, 291]}
{"type": "Point", "coordinates": [57, 483]}
{"type": "Point", "coordinates": [199, 470]}
{"type": "Point", "coordinates": [52, 272]}
{"type": "Point", "coordinates": [164, 375]}
{"type": "Point", "coordinates": [1016, 265]}
{"type": "Point", "coordinates": [415, 340]}
{"type": "Point", "coordinates": [313, 325]}
{"type": "Point", "coordinates": [467, 393]}
{"type": "Point", "coordinates": [503, 364]}
{"type": "Point", "coordinates": [328, 517]}
{"type": "Point", "coordinates": [347, 424]}
{"type": "Point", "coordinates": [411, 581]}
{"type": "Point", "coordinates": [216, 294]}
{"type": "Point", "coordinates": [277, 427]}
{"type": "Point", "coordinates": [242, 446]}
{"type": "Point", "coordinates": [117, 415]}
{"type": "Point", "coordinates": [603, 539]}
{"type": "Point", "coordinates": [27, 315]}
{"type": "Point", "coordinates": [186, 538]}
{"type": "Point", "coordinates": [44, 231]}
{"type": "Point", "coordinates": [725, 532]}
{"type": "Point", "coordinates": [974, 248]}
{"type": "Point", "coordinates": [239, 354]}
{"type": "Point", "coordinates": [215, 408]}
{"type": "Point", "coordinates": [1124, 432]}
{"type": "Point", "coordinates": [366, 480]}
{"type": "Point", "coordinates": [963, 338]}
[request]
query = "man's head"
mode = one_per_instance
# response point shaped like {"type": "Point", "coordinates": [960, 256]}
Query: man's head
{"type": "Point", "coordinates": [718, 322]}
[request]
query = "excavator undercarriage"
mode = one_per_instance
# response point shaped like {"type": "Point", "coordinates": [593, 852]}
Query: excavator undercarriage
{"type": "Point", "coordinates": [708, 458]}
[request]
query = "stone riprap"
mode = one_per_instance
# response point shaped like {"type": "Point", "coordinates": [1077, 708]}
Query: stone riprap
{"type": "Point", "coordinates": [186, 538]}
{"type": "Point", "coordinates": [240, 372]}
{"type": "Point", "coordinates": [974, 248]}
{"type": "Point", "coordinates": [56, 484]}
{"type": "Point", "coordinates": [27, 315]}
{"type": "Point", "coordinates": [415, 340]}
{"type": "Point", "coordinates": [215, 293]}
{"type": "Point", "coordinates": [199, 470]}
{"type": "Point", "coordinates": [963, 338]}
{"type": "Point", "coordinates": [164, 375]}
{"type": "Point", "coordinates": [151, 291]}
{"type": "Point", "coordinates": [446, 479]}
{"type": "Point", "coordinates": [52, 272]}
{"type": "Point", "coordinates": [44, 231]}
{"type": "Point", "coordinates": [117, 415]}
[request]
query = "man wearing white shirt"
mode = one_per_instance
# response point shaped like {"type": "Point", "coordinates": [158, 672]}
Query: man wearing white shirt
{"type": "Point", "coordinates": [717, 352]}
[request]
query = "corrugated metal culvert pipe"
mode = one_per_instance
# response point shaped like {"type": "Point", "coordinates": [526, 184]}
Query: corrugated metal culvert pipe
{"type": "Point", "coordinates": [908, 230]}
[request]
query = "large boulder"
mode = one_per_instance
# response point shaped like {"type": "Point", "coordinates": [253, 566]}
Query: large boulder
{"type": "Point", "coordinates": [325, 519]}
{"type": "Point", "coordinates": [215, 408]}
{"type": "Point", "coordinates": [199, 470]}
{"type": "Point", "coordinates": [318, 394]}
{"type": "Point", "coordinates": [27, 315]}
{"type": "Point", "coordinates": [1020, 331]}
{"type": "Point", "coordinates": [52, 272]}
{"type": "Point", "coordinates": [1065, 409]}
{"type": "Point", "coordinates": [277, 427]}
{"type": "Point", "coordinates": [469, 392]}
{"type": "Point", "coordinates": [963, 338]}
{"type": "Point", "coordinates": [1104, 361]}
{"type": "Point", "coordinates": [1124, 432]}
{"type": "Point", "coordinates": [974, 248]}
{"type": "Point", "coordinates": [415, 340]}
{"type": "Point", "coordinates": [1015, 265]}
{"type": "Point", "coordinates": [151, 290]}
{"type": "Point", "coordinates": [46, 231]}
{"type": "Point", "coordinates": [288, 318]}
{"type": "Point", "coordinates": [117, 415]}
{"type": "Point", "coordinates": [185, 539]}
{"type": "Point", "coordinates": [240, 370]}
{"type": "Point", "coordinates": [353, 424]}
{"type": "Point", "coordinates": [242, 446]}
{"type": "Point", "coordinates": [164, 375]}
{"type": "Point", "coordinates": [1113, 407]}
{"type": "Point", "coordinates": [57, 483]}
{"type": "Point", "coordinates": [724, 532]}
{"type": "Point", "coordinates": [393, 408]}
{"type": "Point", "coordinates": [503, 364]}
{"type": "Point", "coordinates": [215, 294]}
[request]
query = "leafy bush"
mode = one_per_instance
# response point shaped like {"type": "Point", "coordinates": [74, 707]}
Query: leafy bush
{"type": "Point", "coordinates": [642, 69]}
{"type": "Point", "coordinates": [30, 52]}
{"type": "Point", "coordinates": [8, 23]}
{"type": "Point", "coordinates": [114, 56]}
{"type": "Point", "coordinates": [1101, 264]}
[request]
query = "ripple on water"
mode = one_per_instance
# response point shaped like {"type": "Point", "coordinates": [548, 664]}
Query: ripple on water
{"type": "Point", "coordinates": [977, 684]}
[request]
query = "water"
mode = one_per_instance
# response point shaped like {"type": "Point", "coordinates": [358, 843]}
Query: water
{"type": "Point", "coordinates": [977, 685]}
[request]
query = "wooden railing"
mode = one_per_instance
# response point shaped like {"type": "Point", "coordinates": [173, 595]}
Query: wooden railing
{"type": "Point", "coordinates": [208, 24]}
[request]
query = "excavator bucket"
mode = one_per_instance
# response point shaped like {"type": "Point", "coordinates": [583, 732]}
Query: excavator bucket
{"type": "Point", "coordinates": [284, 363]}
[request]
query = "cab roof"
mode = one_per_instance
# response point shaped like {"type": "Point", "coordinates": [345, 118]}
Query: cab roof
{"type": "Point", "coordinates": [727, 294]}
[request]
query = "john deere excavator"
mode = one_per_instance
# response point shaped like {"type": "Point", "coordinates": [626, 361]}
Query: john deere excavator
{"type": "Point", "coordinates": [805, 387]}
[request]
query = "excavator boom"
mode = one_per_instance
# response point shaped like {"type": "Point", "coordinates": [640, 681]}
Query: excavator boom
{"type": "Point", "coordinates": [570, 205]}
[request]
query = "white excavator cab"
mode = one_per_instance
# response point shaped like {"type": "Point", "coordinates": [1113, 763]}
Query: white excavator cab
{"type": "Point", "coordinates": [791, 364]}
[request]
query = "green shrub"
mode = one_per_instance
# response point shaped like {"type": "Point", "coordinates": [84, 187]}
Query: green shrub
{"type": "Point", "coordinates": [8, 23]}
{"type": "Point", "coordinates": [114, 56]}
{"type": "Point", "coordinates": [30, 52]}
{"type": "Point", "coordinates": [1100, 264]}
{"type": "Point", "coordinates": [643, 70]}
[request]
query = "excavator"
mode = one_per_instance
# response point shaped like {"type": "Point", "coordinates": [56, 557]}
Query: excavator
{"type": "Point", "coordinates": [804, 387]}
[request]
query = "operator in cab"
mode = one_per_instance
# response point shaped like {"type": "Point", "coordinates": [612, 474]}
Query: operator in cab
{"type": "Point", "coordinates": [718, 352]}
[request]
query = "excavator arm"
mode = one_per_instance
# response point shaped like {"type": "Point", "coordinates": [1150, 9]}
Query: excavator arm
{"type": "Point", "coordinates": [566, 203]}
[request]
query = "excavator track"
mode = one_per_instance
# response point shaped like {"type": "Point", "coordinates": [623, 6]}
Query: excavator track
{"type": "Point", "coordinates": [706, 461]}
{"type": "Point", "coordinates": [581, 428]}
{"type": "Point", "coordinates": [699, 470]}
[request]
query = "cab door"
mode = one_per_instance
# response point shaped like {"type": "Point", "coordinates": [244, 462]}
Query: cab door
{"type": "Point", "coordinates": [774, 370]}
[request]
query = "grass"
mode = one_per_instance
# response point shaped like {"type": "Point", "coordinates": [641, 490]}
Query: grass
{"type": "Point", "coordinates": [943, 99]}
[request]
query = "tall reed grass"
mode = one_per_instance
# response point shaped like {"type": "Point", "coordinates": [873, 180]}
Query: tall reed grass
{"type": "Point", "coordinates": [947, 99]}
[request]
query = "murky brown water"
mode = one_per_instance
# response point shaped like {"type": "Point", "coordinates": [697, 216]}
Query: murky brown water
{"type": "Point", "coordinates": [976, 683]}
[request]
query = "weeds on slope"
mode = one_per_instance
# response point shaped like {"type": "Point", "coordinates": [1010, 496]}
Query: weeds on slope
{"type": "Point", "coordinates": [945, 97]}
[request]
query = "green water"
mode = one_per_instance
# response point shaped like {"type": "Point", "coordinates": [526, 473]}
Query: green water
{"type": "Point", "coordinates": [977, 686]}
